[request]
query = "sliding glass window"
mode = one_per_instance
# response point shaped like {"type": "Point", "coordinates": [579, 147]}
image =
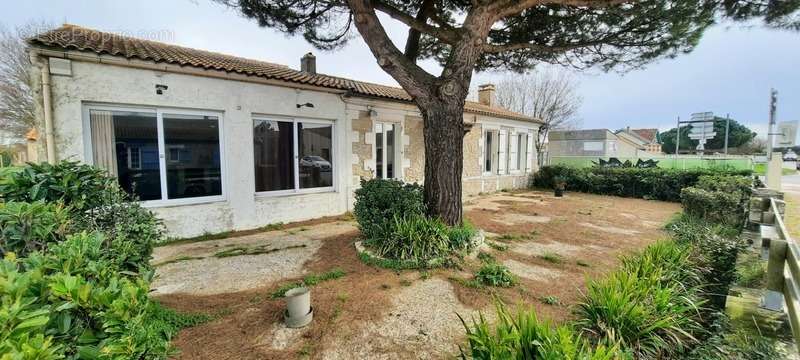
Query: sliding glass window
{"type": "Point", "coordinates": [158, 156]}
{"type": "Point", "coordinates": [273, 143]}
{"type": "Point", "coordinates": [292, 155]}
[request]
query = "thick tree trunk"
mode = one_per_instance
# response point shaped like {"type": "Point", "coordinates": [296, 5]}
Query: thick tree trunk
{"type": "Point", "coordinates": [444, 159]}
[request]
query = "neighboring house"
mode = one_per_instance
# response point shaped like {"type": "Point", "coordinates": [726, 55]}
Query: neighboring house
{"type": "Point", "coordinates": [593, 142]}
{"type": "Point", "coordinates": [213, 142]}
{"type": "Point", "coordinates": [648, 138]}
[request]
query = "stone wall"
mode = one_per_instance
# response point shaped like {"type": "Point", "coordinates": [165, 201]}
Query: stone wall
{"type": "Point", "coordinates": [414, 150]}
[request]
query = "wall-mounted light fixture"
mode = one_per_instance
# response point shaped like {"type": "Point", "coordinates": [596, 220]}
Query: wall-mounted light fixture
{"type": "Point", "coordinates": [161, 88]}
{"type": "Point", "coordinates": [308, 105]}
{"type": "Point", "coordinates": [371, 111]}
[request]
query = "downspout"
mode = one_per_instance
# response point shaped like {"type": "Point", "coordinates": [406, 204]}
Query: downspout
{"type": "Point", "coordinates": [50, 140]}
{"type": "Point", "coordinates": [41, 62]}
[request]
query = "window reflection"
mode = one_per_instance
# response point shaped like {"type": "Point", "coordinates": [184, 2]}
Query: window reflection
{"type": "Point", "coordinates": [315, 145]}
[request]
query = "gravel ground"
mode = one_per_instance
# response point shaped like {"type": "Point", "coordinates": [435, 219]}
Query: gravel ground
{"type": "Point", "coordinates": [206, 274]}
{"type": "Point", "coordinates": [421, 323]}
{"type": "Point", "coordinates": [532, 272]}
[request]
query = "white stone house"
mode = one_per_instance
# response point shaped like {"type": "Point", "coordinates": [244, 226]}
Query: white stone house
{"type": "Point", "coordinates": [213, 142]}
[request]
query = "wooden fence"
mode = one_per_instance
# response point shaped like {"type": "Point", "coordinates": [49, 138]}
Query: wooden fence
{"type": "Point", "coordinates": [783, 257]}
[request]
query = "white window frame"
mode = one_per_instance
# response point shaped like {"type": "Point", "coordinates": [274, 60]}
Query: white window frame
{"type": "Point", "coordinates": [397, 158]}
{"type": "Point", "coordinates": [297, 190]}
{"type": "Point", "coordinates": [502, 152]}
{"type": "Point", "coordinates": [493, 133]}
{"type": "Point", "coordinates": [138, 164]}
{"type": "Point", "coordinates": [162, 163]}
{"type": "Point", "coordinates": [513, 152]}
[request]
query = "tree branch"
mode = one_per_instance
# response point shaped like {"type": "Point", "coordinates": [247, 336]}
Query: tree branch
{"type": "Point", "coordinates": [412, 42]}
{"type": "Point", "coordinates": [508, 8]}
{"type": "Point", "coordinates": [446, 35]}
{"type": "Point", "coordinates": [416, 81]}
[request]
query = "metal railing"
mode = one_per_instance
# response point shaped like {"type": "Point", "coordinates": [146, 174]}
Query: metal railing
{"type": "Point", "coordinates": [783, 265]}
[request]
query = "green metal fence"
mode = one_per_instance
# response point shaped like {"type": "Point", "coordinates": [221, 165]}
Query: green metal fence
{"type": "Point", "coordinates": [671, 162]}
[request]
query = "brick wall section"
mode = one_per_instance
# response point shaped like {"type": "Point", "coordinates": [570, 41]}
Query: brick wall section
{"type": "Point", "coordinates": [415, 150]}
{"type": "Point", "coordinates": [362, 151]}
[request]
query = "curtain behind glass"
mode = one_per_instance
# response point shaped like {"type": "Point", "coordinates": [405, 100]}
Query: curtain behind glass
{"type": "Point", "coordinates": [104, 152]}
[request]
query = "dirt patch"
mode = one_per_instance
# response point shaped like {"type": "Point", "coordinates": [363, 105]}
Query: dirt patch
{"type": "Point", "coordinates": [610, 229]}
{"type": "Point", "coordinates": [531, 272]}
{"type": "Point", "coordinates": [515, 219]}
{"type": "Point", "coordinates": [382, 314]}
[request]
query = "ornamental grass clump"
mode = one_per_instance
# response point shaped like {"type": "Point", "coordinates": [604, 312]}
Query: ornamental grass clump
{"type": "Point", "coordinates": [650, 305]}
{"type": "Point", "coordinates": [524, 336]}
{"type": "Point", "coordinates": [392, 218]}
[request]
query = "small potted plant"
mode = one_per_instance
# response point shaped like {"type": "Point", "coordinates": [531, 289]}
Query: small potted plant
{"type": "Point", "coordinates": [559, 185]}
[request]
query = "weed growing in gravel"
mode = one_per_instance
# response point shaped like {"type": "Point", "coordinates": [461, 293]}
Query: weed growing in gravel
{"type": "Point", "coordinates": [494, 274]}
{"type": "Point", "coordinates": [497, 246]}
{"type": "Point", "coordinates": [179, 259]}
{"type": "Point", "coordinates": [551, 300]}
{"type": "Point", "coordinates": [582, 263]}
{"type": "Point", "coordinates": [486, 257]}
{"type": "Point", "coordinates": [261, 249]}
{"type": "Point", "coordinates": [309, 280]}
{"type": "Point", "coordinates": [552, 258]}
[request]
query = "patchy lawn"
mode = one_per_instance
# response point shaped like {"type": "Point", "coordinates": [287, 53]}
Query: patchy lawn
{"type": "Point", "coordinates": [550, 244]}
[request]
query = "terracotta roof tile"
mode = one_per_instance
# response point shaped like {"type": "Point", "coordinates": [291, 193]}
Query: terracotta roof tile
{"type": "Point", "coordinates": [646, 134]}
{"type": "Point", "coordinates": [72, 37]}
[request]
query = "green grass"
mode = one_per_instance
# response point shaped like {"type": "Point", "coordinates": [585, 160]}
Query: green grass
{"type": "Point", "coordinates": [552, 257]}
{"type": "Point", "coordinates": [751, 270]}
{"type": "Point", "coordinates": [257, 250]}
{"type": "Point", "coordinates": [486, 257]}
{"type": "Point", "coordinates": [179, 259]}
{"type": "Point", "coordinates": [761, 169]}
{"type": "Point", "coordinates": [497, 246]}
{"type": "Point", "coordinates": [551, 300]}
{"type": "Point", "coordinates": [309, 281]}
{"type": "Point", "coordinates": [493, 274]}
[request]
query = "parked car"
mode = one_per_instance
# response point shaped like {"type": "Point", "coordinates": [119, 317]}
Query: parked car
{"type": "Point", "coordinates": [790, 156]}
{"type": "Point", "coordinates": [315, 161]}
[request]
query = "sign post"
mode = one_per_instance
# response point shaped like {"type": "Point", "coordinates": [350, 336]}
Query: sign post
{"type": "Point", "coordinates": [702, 129]}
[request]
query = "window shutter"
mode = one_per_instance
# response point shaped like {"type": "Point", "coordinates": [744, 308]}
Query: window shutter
{"type": "Point", "coordinates": [529, 162]}
{"type": "Point", "coordinates": [513, 151]}
{"type": "Point", "coordinates": [502, 150]}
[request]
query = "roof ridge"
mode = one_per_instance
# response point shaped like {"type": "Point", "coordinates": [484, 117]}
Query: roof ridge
{"type": "Point", "coordinates": [79, 38]}
{"type": "Point", "coordinates": [159, 43]}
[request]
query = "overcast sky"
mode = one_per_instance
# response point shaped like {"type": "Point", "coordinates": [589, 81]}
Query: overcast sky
{"type": "Point", "coordinates": [731, 71]}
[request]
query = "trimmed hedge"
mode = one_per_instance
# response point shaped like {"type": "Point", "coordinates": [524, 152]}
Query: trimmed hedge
{"type": "Point", "coordinates": [653, 183]}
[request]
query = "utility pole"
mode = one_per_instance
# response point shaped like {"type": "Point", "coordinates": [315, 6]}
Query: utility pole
{"type": "Point", "coordinates": [727, 129]}
{"type": "Point", "coordinates": [678, 137]}
{"type": "Point", "coordinates": [773, 102]}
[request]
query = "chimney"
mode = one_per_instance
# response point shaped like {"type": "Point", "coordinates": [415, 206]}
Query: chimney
{"type": "Point", "coordinates": [308, 63]}
{"type": "Point", "coordinates": [486, 94]}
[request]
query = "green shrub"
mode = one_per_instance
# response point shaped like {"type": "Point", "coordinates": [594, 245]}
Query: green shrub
{"type": "Point", "coordinates": [79, 187]}
{"type": "Point", "coordinates": [27, 227]}
{"type": "Point", "coordinates": [729, 344]}
{"type": "Point", "coordinates": [92, 201]}
{"type": "Point", "coordinates": [523, 336]}
{"type": "Point", "coordinates": [648, 183]}
{"type": "Point", "coordinates": [650, 305]}
{"type": "Point", "coordinates": [379, 201]}
{"type": "Point", "coordinates": [714, 206]}
{"type": "Point", "coordinates": [715, 251]}
{"type": "Point", "coordinates": [392, 219]}
{"type": "Point", "coordinates": [70, 301]}
{"type": "Point", "coordinates": [494, 274]}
